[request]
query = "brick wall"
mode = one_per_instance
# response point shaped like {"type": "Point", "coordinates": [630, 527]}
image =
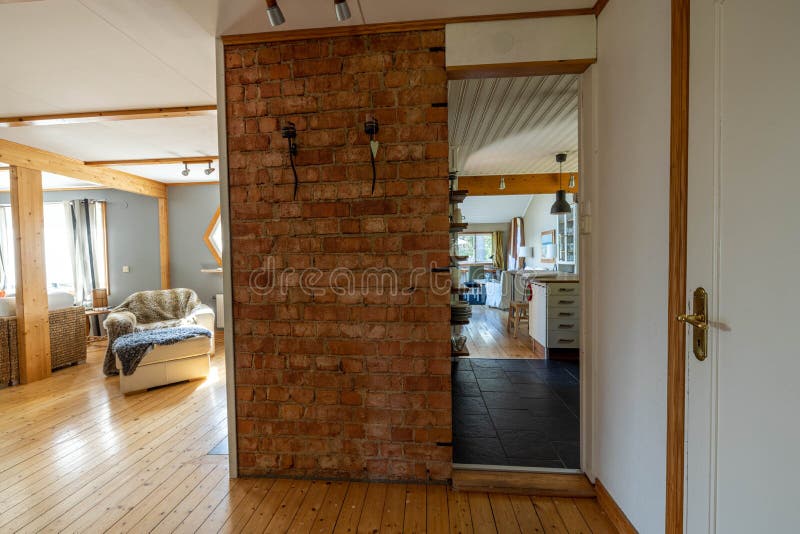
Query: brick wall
{"type": "Point", "coordinates": [350, 379]}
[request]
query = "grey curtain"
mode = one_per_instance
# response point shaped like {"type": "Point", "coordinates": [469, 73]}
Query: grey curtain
{"type": "Point", "coordinates": [82, 229]}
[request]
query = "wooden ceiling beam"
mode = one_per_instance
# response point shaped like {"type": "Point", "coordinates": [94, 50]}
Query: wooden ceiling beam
{"type": "Point", "coordinates": [391, 27]}
{"type": "Point", "coordinates": [517, 184]}
{"type": "Point", "coordinates": [16, 154]}
{"type": "Point", "coordinates": [152, 161]}
{"type": "Point", "coordinates": [525, 68]}
{"type": "Point", "coordinates": [105, 116]}
{"type": "Point", "coordinates": [599, 6]}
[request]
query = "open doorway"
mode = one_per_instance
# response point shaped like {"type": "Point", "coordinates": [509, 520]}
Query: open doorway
{"type": "Point", "coordinates": [516, 306]}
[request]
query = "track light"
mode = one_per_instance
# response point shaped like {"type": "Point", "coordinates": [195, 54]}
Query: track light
{"type": "Point", "coordinates": [274, 13]}
{"type": "Point", "coordinates": [185, 170]}
{"type": "Point", "coordinates": [342, 10]}
{"type": "Point", "coordinates": [502, 183]}
{"type": "Point", "coordinates": [209, 170]}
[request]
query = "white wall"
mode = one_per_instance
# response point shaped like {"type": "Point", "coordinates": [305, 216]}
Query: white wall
{"type": "Point", "coordinates": [537, 219]}
{"type": "Point", "coordinates": [628, 201]}
{"type": "Point", "coordinates": [190, 211]}
{"type": "Point", "coordinates": [522, 40]}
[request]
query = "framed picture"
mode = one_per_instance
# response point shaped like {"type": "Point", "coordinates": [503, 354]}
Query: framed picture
{"type": "Point", "coordinates": [548, 247]}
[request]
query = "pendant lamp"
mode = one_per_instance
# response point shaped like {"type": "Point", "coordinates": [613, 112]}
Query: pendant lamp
{"type": "Point", "coordinates": [561, 205]}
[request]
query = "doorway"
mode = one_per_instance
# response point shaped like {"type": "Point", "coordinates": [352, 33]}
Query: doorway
{"type": "Point", "coordinates": [516, 329]}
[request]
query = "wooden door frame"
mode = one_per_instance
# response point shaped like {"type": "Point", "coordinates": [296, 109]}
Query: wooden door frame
{"type": "Point", "coordinates": [678, 214]}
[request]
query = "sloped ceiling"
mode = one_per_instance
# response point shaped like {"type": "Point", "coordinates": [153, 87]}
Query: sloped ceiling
{"type": "Point", "coordinates": [494, 208]}
{"type": "Point", "coordinates": [513, 125]}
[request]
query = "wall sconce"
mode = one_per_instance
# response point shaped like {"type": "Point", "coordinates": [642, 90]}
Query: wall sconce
{"type": "Point", "coordinates": [371, 129]}
{"type": "Point", "coordinates": [342, 10]}
{"type": "Point", "coordinates": [289, 132]}
{"type": "Point", "coordinates": [274, 13]}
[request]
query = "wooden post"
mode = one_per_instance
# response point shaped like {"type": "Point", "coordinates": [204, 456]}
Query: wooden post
{"type": "Point", "coordinates": [33, 324]}
{"type": "Point", "coordinates": [163, 241]}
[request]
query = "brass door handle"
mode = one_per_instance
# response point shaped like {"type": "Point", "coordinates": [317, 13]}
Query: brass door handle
{"type": "Point", "coordinates": [697, 320]}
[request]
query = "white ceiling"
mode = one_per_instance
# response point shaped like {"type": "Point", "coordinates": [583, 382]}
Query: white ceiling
{"type": "Point", "coordinates": [247, 16]}
{"type": "Point", "coordinates": [513, 125]}
{"type": "Point", "coordinates": [494, 209]}
{"type": "Point", "coordinates": [49, 181]}
{"type": "Point", "coordinates": [171, 173]}
{"type": "Point", "coordinates": [65, 56]}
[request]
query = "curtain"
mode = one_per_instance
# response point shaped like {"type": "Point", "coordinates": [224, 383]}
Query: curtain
{"type": "Point", "coordinates": [7, 276]}
{"type": "Point", "coordinates": [82, 230]}
{"type": "Point", "coordinates": [499, 255]}
{"type": "Point", "coordinates": [516, 239]}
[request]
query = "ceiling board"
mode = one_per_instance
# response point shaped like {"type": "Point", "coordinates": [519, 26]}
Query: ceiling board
{"type": "Point", "coordinates": [90, 55]}
{"type": "Point", "coordinates": [171, 172]}
{"type": "Point", "coordinates": [513, 125]}
{"type": "Point", "coordinates": [137, 139]}
{"type": "Point", "coordinates": [49, 181]}
{"type": "Point", "coordinates": [494, 209]}
{"type": "Point", "coordinates": [247, 16]}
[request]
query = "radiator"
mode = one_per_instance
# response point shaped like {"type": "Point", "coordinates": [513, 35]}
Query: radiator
{"type": "Point", "coordinates": [220, 310]}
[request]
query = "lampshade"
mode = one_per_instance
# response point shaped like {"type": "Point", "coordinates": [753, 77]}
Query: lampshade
{"type": "Point", "coordinates": [560, 205]}
{"type": "Point", "coordinates": [524, 251]}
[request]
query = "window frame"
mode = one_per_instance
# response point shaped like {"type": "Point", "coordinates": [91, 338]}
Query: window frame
{"type": "Point", "coordinates": [484, 263]}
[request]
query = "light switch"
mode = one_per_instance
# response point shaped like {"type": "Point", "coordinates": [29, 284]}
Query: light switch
{"type": "Point", "coordinates": [126, 269]}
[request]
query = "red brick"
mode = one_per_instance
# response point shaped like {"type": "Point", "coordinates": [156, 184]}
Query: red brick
{"type": "Point", "coordinates": [353, 383]}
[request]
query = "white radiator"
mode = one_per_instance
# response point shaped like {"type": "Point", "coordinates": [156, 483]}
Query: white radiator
{"type": "Point", "coordinates": [220, 310]}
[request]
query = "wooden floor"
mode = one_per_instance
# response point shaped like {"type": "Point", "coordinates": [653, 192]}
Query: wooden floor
{"type": "Point", "coordinates": [487, 336]}
{"type": "Point", "coordinates": [77, 456]}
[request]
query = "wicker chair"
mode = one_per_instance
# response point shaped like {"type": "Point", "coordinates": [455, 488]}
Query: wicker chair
{"type": "Point", "coordinates": [67, 342]}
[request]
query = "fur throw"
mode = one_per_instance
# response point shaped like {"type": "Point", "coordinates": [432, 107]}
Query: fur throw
{"type": "Point", "coordinates": [132, 348]}
{"type": "Point", "coordinates": [147, 310]}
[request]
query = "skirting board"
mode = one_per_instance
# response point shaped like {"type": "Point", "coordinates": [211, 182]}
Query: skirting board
{"type": "Point", "coordinates": [612, 509]}
{"type": "Point", "coordinates": [538, 484]}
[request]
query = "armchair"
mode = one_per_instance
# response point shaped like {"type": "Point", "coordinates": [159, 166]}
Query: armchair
{"type": "Point", "coordinates": [164, 364]}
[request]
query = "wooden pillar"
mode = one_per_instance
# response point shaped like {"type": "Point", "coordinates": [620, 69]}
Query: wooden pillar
{"type": "Point", "coordinates": [33, 325]}
{"type": "Point", "coordinates": [163, 241]}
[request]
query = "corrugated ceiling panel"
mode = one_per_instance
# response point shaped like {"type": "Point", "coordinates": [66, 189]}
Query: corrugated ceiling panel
{"type": "Point", "coordinates": [513, 125]}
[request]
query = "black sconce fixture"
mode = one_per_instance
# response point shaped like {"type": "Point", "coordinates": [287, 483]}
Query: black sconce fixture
{"type": "Point", "coordinates": [289, 132]}
{"type": "Point", "coordinates": [371, 129]}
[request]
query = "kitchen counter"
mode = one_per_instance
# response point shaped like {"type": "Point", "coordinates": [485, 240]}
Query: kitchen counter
{"type": "Point", "coordinates": [560, 279]}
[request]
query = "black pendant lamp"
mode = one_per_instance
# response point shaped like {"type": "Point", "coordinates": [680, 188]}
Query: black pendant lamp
{"type": "Point", "coordinates": [560, 205]}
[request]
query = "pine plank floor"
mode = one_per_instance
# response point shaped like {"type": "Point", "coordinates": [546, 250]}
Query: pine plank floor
{"type": "Point", "coordinates": [77, 456]}
{"type": "Point", "coordinates": [487, 336]}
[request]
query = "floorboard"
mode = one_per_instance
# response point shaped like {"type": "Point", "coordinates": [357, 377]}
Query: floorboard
{"type": "Point", "coordinates": [78, 456]}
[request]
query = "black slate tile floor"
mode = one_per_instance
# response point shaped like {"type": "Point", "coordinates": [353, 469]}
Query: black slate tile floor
{"type": "Point", "coordinates": [516, 413]}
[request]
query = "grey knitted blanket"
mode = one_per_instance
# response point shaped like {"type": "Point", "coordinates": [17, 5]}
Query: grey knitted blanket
{"type": "Point", "coordinates": [132, 348]}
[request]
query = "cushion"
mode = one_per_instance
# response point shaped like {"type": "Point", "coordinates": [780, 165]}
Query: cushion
{"type": "Point", "coordinates": [56, 300]}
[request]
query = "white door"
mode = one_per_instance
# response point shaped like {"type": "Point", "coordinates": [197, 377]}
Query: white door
{"type": "Point", "coordinates": [743, 402]}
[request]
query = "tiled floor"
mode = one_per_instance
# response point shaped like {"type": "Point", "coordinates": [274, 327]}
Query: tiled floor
{"type": "Point", "coordinates": [516, 412]}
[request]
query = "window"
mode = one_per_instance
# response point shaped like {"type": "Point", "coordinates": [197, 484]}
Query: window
{"type": "Point", "coordinates": [479, 248]}
{"type": "Point", "coordinates": [57, 244]}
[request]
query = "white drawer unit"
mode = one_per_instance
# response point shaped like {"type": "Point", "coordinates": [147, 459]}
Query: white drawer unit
{"type": "Point", "coordinates": [555, 316]}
